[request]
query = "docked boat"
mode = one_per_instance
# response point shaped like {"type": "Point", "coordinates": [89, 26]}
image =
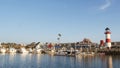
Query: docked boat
{"type": "Point", "coordinates": [86, 54]}
{"type": "Point", "coordinates": [2, 50]}
{"type": "Point", "coordinates": [61, 53]}
{"type": "Point", "coordinates": [38, 49]}
{"type": "Point", "coordinates": [30, 50]}
{"type": "Point", "coordinates": [23, 50]}
{"type": "Point", "coordinates": [12, 50]}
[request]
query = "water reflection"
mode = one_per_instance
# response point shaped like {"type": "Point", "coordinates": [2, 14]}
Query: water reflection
{"type": "Point", "coordinates": [2, 60]}
{"type": "Point", "coordinates": [110, 62]}
{"type": "Point", "coordinates": [95, 61]}
{"type": "Point", "coordinates": [23, 56]}
{"type": "Point", "coordinates": [11, 56]}
{"type": "Point", "coordinates": [2, 54]}
{"type": "Point", "coordinates": [46, 61]}
{"type": "Point", "coordinates": [23, 60]}
{"type": "Point", "coordinates": [38, 58]}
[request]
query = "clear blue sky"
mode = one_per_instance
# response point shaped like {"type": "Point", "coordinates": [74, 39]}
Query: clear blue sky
{"type": "Point", "coordinates": [41, 20]}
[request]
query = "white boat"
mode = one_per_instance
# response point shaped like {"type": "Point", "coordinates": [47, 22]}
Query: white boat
{"type": "Point", "coordinates": [60, 53]}
{"type": "Point", "coordinates": [23, 50]}
{"type": "Point", "coordinates": [53, 51]}
{"type": "Point", "coordinates": [38, 49]}
{"type": "Point", "coordinates": [12, 50]}
{"type": "Point", "coordinates": [3, 50]}
{"type": "Point", "coordinates": [86, 54]}
{"type": "Point", "coordinates": [30, 50]}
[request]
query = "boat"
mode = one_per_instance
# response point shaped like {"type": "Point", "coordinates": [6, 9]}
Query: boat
{"type": "Point", "coordinates": [23, 50]}
{"type": "Point", "coordinates": [38, 51]}
{"type": "Point", "coordinates": [12, 50]}
{"type": "Point", "coordinates": [2, 50]}
{"type": "Point", "coordinates": [86, 54]}
{"type": "Point", "coordinates": [30, 50]}
{"type": "Point", "coordinates": [38, 48]}
{"type": "Point", "coordinates": [61, 53]}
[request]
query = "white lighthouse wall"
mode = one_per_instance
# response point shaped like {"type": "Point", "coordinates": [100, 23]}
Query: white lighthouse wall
{"type": "Point", "coordinates": [108, 36]}
{"type": "Point", "coordinates": [108, 44]}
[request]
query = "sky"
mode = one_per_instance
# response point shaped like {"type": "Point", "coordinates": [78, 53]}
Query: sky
{"type": "Point", "coordinates": [26, 21]}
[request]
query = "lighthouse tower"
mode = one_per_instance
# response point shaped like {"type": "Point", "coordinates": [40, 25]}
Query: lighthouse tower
{"type": "Point", "coordinates": [108, 38]}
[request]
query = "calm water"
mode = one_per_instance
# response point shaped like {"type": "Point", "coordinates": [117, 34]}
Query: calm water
{"type": "Point", "coordinates": [47, 61]}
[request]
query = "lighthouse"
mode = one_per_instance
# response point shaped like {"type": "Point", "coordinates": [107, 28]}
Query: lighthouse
{"type": "Point", "coordinates": [108, 38]}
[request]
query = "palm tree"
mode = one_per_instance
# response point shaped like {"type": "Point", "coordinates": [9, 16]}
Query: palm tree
{"type": "Point", "coordinates": [59, 36]}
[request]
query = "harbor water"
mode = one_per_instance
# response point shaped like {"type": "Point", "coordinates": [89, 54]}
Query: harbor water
{"type": "Point", "coordinates": [48, 61]}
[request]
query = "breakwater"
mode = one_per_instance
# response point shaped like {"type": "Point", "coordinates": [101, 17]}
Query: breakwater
{"type": "Point", "coordinates": [109, 51]}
